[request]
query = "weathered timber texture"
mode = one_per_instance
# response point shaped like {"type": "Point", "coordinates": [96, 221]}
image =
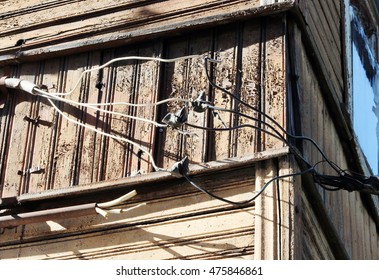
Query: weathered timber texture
{"type": "Point", "coordinates": [277, 231]}
{"type": "Point", "coordinates": [70, 155]}
{"type": "Point", "coordinates": [199, 227]}
{"type": "Point", "coordinates": [323, 21]}
{"type": "Point", "coordinates": [263, 61]}
{"type": "Point", "coordinates": [355, 228]}
{"type": "Point", "coordinates": [70, 25]}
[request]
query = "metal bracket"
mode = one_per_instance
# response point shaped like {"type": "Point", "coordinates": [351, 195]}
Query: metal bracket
{"type": "Point", "coordinates": [37, 121]}
{"type": "Point", "coordinates": [33, 170]}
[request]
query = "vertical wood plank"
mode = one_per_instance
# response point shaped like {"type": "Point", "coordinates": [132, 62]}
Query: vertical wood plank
{"type": "Point", "coordinates": [360, 253]}
{"type": "Point", "coordinates": [88, 148]}
{"type": "Point", "coordinates": [146, 92]}
{"type": "Point", "coordinates": [288, 190]}
{"type": "Point", "coordinates": [225, 76]}
{"type": "Point", "coordinates": [20, 130]}
{"type": "Point", "coordinates": [43, 143]}
{"type": "Point", "coordinates": [5, 130]}
{"type": "Point", "coordinates": [274, 82]}
{"type": "Point", "coordinates": [174, 86]}
{"type": "Point", "coordinates": [196, 146]}
{"type": "Point", "coordinates": [266, 234]}
{"type": "Point", "coordinates": [250, 90]}
{"type": "Point", "coordinates": [367, 236]}
{"type": "Point", "coordinates": [186, 79]}
{"type": "Point", "coordinates": [121, 80]}
{"type": "Point", "coordinates": [67, 143]}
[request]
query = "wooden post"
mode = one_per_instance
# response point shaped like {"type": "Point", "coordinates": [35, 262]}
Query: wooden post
{"type": "Point", "coordinates": [278, 226]}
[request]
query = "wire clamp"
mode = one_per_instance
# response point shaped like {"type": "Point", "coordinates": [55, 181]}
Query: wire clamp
{"type": "Point", "coordinates": [176, 120]}
{"type": "Point", "coordinates": [200, 104]}
{"type": "Point", "coordinates": [180, 168]}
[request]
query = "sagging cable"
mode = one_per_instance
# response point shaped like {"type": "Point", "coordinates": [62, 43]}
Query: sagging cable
{"type": "Point", "coordinates": [156, 168]}
{"type": "Point", "coordinates": [207, 59]}
{"type": "Point", "coordinates": [183, 168]}
{"type": "Point", "coordinates": [68, 101]}
{"type": "Point", "coordinates": [143, 58]}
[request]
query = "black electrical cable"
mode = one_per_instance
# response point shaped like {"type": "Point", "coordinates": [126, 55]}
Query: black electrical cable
{"type": "Point", "coordinates": [278, 136]}
{"type": "Point", "coordinates": [253, 119]}
{"type": "Point", "coordinates": [232, 128]}
{"type": "Point", "coordinates": [241, 203]}
{"type": "Point", "coordinates": [333, 165]}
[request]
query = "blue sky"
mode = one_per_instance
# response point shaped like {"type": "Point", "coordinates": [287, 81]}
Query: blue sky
{"type": "Point", "coordinates": [364, 119]}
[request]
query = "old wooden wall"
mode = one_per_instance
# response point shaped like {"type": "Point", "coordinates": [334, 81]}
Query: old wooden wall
{"type": "Point", "coordinates": [351, 220]}
{"type": "Point", "coordinates": [323, 19]}
{"type": "Point", "coordinates": [252, 66]}
{"type": "Point", "coordinates": [323, 97]}
{"type": "Point", "coordinates": [261, 61]}
{"type": "Point", "coordinates": [43, 28]}
{"type": "Point", "coordinates": [177, 222]}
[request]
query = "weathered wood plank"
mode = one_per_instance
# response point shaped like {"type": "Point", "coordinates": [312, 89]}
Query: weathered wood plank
{"type": "Point", "coordinates": [67, 144]}
{"type": "Point", "coordinates": [197, 220]}
{"type": "Point", "coordinates": [17, 150]}
{"type": "Point", "coordinates": [274, 81]}
{"type": "Point", "coordinates": [347, 211]}
{"type": "Point", "coordinates": [146, 91]}
{"type": "Point", "coordinates": [196, 147]}
{"type": "Point", "coordinates": [330, 37]}
{"type": "Point", "coordinates": [314, 239]}
{"type": "Point", "coordinates": [208, 237]}
{"type": "Point", "coordinates": [175, 85]}
{"type": "Point", "coordinates": [6, 108]}
{"type": "Point", "coordinates": [88, 162]}
{"type": "Point", "coordinates": [214, 13]}
{"type": "Point", "coordinates": [266, 220]}
{"type": "Point", "coordinates": [248, 138]}
{"type": "Point", "coordinates": [44, 141]}
{"type": "Point", "coordinates": [333, 17]}
{"type": "Point", "coordinates": [226, 42]}
{"type": "Point", "coordinates": [118, 83]}
{"type": "Point", "coordinates": [101, 20]}
{"type": "Point", "coordinates": [329, 61]}
{"type": "Point", "coordinates": [162, 204]}
{"type": "Point", "coordinates": [288, 192]}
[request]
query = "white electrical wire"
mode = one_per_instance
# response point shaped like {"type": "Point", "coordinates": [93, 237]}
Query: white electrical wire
{"type": "Point", "coordinates": [50, 96]}
{"type": "Point", "coordinates": [105, 212]}
{"type": "Point", "coordinates": [108, 135]}
{"type": "Point", "coordinates": [124, 59]}
{"type": "Point", "coordinates": [141, 105]}
{"type": "Point", "coordinates": [58, 98]}
{"type": "Point", "coordinates": [118, 200]}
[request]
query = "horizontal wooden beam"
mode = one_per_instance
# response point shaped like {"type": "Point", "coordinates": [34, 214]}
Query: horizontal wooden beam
{"type": "Point", "coordinates": [163, 19]}
{"type": "Point", "coordinates": [155, 177]}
